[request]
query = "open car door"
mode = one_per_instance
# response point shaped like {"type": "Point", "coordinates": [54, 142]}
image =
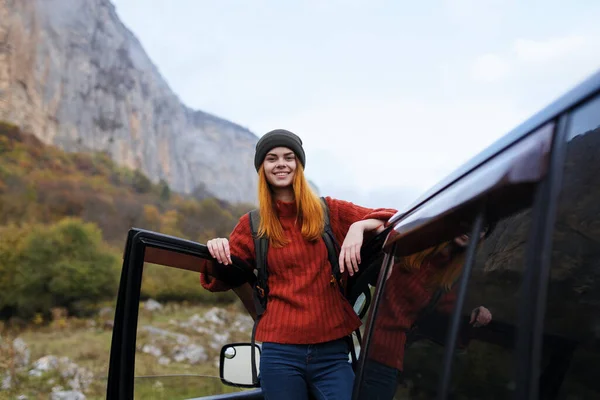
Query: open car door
{"type": "Point", "coordinates": [142, 247]}
{"type": "Point", "coordinates": [145, 246]}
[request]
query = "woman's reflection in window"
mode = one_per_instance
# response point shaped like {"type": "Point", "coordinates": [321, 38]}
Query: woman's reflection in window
{"type": "Point", "coordinates": [417, 302]}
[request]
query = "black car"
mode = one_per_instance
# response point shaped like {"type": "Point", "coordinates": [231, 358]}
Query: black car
{"type": "Point", "coordinates": [536, 195]}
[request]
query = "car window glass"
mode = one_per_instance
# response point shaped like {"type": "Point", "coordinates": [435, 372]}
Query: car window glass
{"type": "Point", "coordinates": [361, 289]}
{"type": "Point", "coordinates": [407, 344]}
{"type": "Point", "coordinates": [485, 359]}
{"type": "Point", "coordinates": [181, 329]}
{"type": "Point", "coordinates": [571, 346]}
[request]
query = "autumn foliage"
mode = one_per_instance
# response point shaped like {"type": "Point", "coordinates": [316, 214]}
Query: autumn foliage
{"type": "Point", "coordinates": [45, 192]}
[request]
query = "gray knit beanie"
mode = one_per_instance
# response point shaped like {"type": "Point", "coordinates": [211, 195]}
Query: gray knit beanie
{"type": "Point", "coordinates": [278, 138]}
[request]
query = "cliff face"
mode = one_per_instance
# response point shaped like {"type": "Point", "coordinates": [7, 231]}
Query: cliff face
{"type": "Point", "coordinates": [73, 75]}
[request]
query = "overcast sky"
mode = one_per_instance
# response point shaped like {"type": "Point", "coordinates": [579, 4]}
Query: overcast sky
{"type": "Point", "coordinates": [388, 96]}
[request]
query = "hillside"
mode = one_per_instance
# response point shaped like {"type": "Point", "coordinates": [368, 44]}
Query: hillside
{"type": "Point", "coordinates": [64, 219]}
{"type": "Point", "coordinates": [43, 184]}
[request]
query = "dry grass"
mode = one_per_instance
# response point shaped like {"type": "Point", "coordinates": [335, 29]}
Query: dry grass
{"type": "Point", "coordinates": [89, 347]}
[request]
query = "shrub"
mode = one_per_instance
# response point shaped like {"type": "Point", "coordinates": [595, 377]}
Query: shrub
{"type": "Point", "coordinates": [66, 264]}
{"type": "Point", "coordinates": [61, 265]}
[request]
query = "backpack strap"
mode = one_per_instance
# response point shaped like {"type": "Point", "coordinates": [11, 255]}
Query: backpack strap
{"type": "Point", "coordinates": [261, 246]}
{"type": "Point", "coordinates": [333, 250]}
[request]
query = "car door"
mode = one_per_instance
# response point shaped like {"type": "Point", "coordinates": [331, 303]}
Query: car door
{"type": "Point", "coordinates": [135, 350]}
{"type": "Point", "coordinates": [570, 305]}
{"type": "Point", "coordinates": [499, 194]}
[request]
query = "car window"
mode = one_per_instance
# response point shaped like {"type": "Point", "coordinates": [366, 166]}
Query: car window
{"type": "Point", "coordinates": [181, 329]}
{"type": "Point", "coordinates": [362, 304]}
{"type": "Point", "coordinates": [406, 354]}
{"type": "Point", "coordinates": [572, 318]}
{"type": "Point", "coordinates": [407, 343]}
{"type": "Point", "coordinates": [484, 364]}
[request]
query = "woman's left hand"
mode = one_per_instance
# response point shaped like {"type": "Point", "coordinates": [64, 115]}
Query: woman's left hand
{"type": "Point", "coordinates": [480, 316]}
{"type": "Point", "coordinates": [350, 251]}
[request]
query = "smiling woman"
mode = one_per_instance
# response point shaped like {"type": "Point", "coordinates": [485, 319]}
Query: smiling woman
{"type": "Point", "coordinates": [306, 314]}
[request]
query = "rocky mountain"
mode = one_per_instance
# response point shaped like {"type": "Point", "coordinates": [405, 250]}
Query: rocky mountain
{"type": "Point", "coordinates": [73, 75]}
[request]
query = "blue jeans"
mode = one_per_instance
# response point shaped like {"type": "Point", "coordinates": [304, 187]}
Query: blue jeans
{"type": "Point", "coordinates": [380, 381]}
{"type": "Point", "coordinates": [291, 371]}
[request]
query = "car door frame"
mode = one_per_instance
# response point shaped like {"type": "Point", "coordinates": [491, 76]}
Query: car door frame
{"type": "Point", "coordinates": [146, 246]}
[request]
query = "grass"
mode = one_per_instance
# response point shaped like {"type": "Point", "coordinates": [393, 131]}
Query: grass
{"type": "Point", "coordinates": [89, 347]}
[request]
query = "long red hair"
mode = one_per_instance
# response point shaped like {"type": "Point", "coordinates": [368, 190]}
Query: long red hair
{"type": "Point", "coordinates": [444, 275]}
{"type": "Point", "coordinates": [308, 204]}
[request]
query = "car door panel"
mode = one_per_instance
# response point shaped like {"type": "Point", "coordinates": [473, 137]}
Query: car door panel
{"type": "Point", "coordinates": [147, 246]}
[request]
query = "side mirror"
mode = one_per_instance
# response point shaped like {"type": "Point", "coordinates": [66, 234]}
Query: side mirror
{"type": "Point", "coordinates": [236, 364]}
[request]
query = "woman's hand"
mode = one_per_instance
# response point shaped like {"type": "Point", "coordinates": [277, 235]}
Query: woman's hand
{"type": "Point", "coordinates": [350, 251]}
{"type": "Point", "coordinates": [480, 316]}
{"type": "Point", "coordinates": [219, 249]}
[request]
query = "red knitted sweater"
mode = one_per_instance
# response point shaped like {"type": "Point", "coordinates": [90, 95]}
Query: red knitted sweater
{"type": "Point", "coordinates": [303, 307]}
{"type": "Point", "coordinates": [406, 294]}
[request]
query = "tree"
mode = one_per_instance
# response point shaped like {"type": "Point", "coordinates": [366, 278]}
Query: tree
{"type": "Point", "coordinates": [152, 218]}
{"type": "Point", "coordinates": [164, 190]}
{"type": "Point", "coordinates": [62, 265]}
{"type": "Point", "coordinates": [140, 182]}
{"type": "Point", "coordinates": [12, 238]}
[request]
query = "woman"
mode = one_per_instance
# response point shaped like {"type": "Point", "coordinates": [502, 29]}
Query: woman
{"type": "Point", "coordinates": [411, 284]}
{"type": "Point", "coordinates": [307, 318]}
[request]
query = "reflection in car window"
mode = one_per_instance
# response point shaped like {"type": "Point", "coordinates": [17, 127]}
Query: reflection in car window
{"type": "Point", "coordinates": [407, 344]}
{"type": "Point", "coordinates": [484, 366]}
{"type": "Point", "coordinates": [572, 320]}
{"type": "Point", "coordinates": [364, 283]}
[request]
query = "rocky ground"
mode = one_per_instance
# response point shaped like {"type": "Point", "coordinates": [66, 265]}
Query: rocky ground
{"type": "Point", "coordinates": [177, 343]}
{"type": "Point", "coordinates": [71, 362]}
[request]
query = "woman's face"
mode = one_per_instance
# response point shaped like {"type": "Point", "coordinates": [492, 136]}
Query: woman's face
{"type": "Point", "coordinates": [463, 240]}
{"type": "Point", "coordinates": [280, 167]}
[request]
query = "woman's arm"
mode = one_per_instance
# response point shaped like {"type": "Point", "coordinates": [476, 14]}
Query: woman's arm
{"type": "Point", "coordinates": [343, 214]}
{"type": "Point", "coordinates": [370, 225]}
{"type": "Point", "coordinates": [241, 245]}
{"type": "Point", "coordinates": [349, 223]}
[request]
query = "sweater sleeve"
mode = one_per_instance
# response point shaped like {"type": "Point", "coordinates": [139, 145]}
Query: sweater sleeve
{"type": "Point", "coordinates": [241, 245]}
{"type": "Point", "coordinates": [447, 302]}
{"type": "Point", "coordinates": [343, 213]}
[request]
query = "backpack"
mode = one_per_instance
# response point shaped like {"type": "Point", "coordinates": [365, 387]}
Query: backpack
{"type": "Point", "coordinates": [261, 288]}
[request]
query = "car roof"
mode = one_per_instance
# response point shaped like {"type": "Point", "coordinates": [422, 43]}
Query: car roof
{"type": "Point", "coordinates": [566, 102]}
